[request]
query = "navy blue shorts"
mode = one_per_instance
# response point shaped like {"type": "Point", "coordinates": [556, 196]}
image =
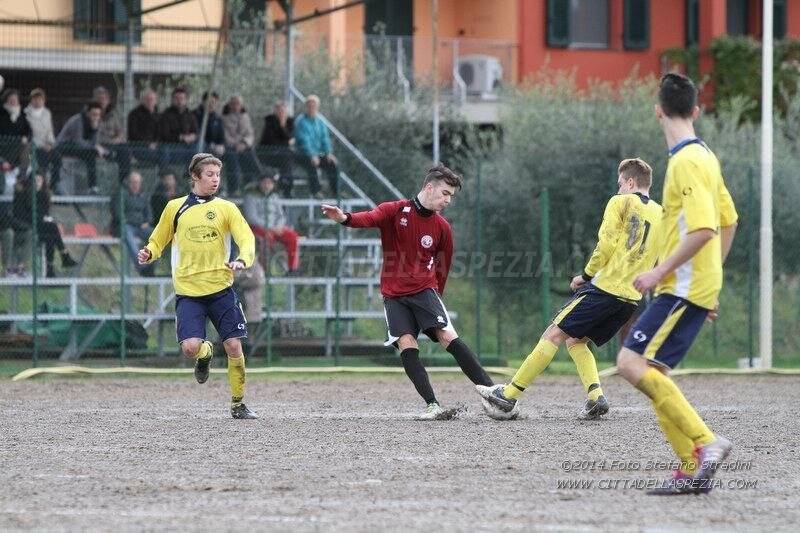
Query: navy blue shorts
{"type": "Point", "coordinates": [594, 314]}
{"type": "Point", "coordinates": [666, 330]}
{"type": "Point", "coordinates": [222, 308]}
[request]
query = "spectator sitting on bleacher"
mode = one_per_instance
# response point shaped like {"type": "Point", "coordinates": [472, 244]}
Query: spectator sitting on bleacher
{"type": "Point", "coordinates": [78, 138]}
{"type": "Point", "coordinates": [278, 138]}
{"type": "Point", "coordinates": [239, 138]}
{"type": "Point", "coordinates": [264, 213]}
{"type": "Point", "coordinates": [166, 190]}
{"type": "Point", "coordinates": [112, 132]}
{"type": "Point", "coordinates": [42, 135]}
{"type": "Point", "coordinates": [143, 129]}
{"type": "Point", "coordinates": [177, 131]}
{"type": "Point", "coordinates": [137, 216]}
{"type": "Point", "coordinates": [12, 232]}
{"type": "Point", "coordinates": [48, 231]}
{"type": "Point", "coordinates": [15, 132]}
{"type": "Point", "coordinates": [215, 132]}
{"type": "Point", "coordinates": [314, 148]}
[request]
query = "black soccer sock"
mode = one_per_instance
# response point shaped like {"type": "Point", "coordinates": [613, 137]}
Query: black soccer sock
{"type": "Point", "coordinates": [417, 374]}
{"type": "Point", "coordinates": [469, 363]}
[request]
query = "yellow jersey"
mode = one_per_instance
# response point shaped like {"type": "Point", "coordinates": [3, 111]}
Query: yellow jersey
{"type": "Point", "coordinates": [695, 197]}
{"type": "Point", "coordinates": [200, 230]}
{"type": "Point", "coordinates": [627, 244]}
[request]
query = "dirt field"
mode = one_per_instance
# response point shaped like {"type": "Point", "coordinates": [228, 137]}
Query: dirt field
{"type": "Point", "coordinates": [343, 453]}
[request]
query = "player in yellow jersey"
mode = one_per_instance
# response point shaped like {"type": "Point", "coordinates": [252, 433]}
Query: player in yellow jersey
{"type": "Point", "coordinates": [200, 226]}
{"type": "Point", "coordinates": [697, 232]}
{"type": "Point", "coordinates": [605, 297]}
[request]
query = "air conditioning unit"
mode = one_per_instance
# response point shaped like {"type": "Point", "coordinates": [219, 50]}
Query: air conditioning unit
{"type": "Point", "coordinates": [482, 74]}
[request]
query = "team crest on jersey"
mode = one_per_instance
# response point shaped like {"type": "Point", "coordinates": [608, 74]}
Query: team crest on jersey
{"type": "Point", "coordinates": [211, 215]}
{"type": "Point", "coordinates": [426, 241]}
{"type": "Point", "coordinates": [404, 221]}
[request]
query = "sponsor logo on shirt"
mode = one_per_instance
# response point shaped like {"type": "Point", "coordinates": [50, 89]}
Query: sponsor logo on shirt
{"type": "Point", "coordinates": [426, 241]}
{"type": "Point", "coordinates": [202, 234]}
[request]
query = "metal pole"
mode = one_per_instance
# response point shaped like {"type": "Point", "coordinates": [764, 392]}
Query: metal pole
{"type": "Point", "coordinates": [123, 293]}
{"type": "Point", "coordinates": [765, 255]}
{"type": "Point", "coordinates": [289, 79]}
{"type": "Point", "coordinates": [35, 252]}
{"type": "Point", "coordinates": [751, 271]}
{"type": "Point", "coordinates": [337, 352]}
{"type": "Point", "coordinates": [544, 204]}
{"type": "Point", "coordinates": [268, 292]}
{"type": "Point", "coordinates": [478, 250]}
{"type": "Point", "coordinates": [435, 79]}
{"type": "Point", "coordinates": [128, 97]}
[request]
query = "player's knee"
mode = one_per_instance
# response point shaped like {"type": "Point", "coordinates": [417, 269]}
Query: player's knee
{"type": "Point", "coordinates": [555, 335]}
{"type": "Point", "coordinates": [630, 364]}
{"type": "Point", "coordinates": [571, 341]}
{"type": "Point", "coordinates": [407, 341]}
{"type": "Point", "coordinates": [445, 337]}
{"type": "Point", "coordinates": [190, 347]}
{"type": "Point", "coordinates": [233, 347]}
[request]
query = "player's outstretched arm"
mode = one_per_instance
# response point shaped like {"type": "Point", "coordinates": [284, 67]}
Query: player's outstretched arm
{"type": "Point", "coordinates": [365, 219]}
{"type": "Point", "coordinates": [334, 213]}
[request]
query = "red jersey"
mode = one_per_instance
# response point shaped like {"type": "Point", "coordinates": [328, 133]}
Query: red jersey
{"type": "Point", "coordinates": [417, 246]}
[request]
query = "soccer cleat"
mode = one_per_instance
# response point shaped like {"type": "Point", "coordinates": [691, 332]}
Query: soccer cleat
{"type": "Point", "coordinates": [594, 409]}
{"type": "Point", "coordinates": [708, 459]}
{"type": "Point", "coordinates": [201, 366]}
{"type": "Point", "coordinates": [494, 395]}
{"type": "Point", "coordinates": [240, 411]}
{"type": "Point", "coordinates": [676, 485]}
{"type": "Point", "coordinates": [434, 411]}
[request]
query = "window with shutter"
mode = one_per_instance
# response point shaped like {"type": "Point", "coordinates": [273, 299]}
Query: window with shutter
{"type": "Point", "coordinates": [636, 34]}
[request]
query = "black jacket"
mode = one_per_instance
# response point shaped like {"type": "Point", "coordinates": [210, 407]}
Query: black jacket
{"type": "Point", "coordinates": [174, 123]}
{"type": "Point", "coordinates": [274, 134]}
{"type": "Point", "coordinates": [143, 125]}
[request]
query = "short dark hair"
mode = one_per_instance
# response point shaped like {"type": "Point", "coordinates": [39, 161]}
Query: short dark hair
{"type": "Point", "coordinates": [214, 94]}
{"type": "Point", "coordinates": [442, 173]}
{"type": "Point", "coordinates": [677, 95]}
{"type": "Point", "coordinates": [94, 105]}
{"type": "Point", "coordinates": [178, 89]}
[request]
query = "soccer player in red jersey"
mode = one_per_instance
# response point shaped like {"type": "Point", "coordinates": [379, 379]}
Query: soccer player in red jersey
{"type": "Point", "coordinates": [417, 252]}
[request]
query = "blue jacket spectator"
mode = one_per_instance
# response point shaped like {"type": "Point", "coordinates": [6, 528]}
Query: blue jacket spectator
{"type": "Point", "coordinates": [314, 147]}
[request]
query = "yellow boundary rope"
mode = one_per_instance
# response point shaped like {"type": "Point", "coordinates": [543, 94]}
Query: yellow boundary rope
{"type": "Point", "coordinates": [502, 371]}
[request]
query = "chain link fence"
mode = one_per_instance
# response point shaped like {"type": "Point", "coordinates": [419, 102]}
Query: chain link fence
{"type": "Point", "coordinates": [72, 291]}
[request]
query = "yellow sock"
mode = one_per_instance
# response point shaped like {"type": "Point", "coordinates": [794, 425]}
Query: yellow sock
{"type": "Point", "coordinates": [587, 369]}
{"type": "Point", "coordinates": [668, 399]}
{"type": "Point", "coordinates": [205, 351]}
{"type": "Point", "coordinates": [236, 378]}
{"type": "Point", "coordinates": [533, 365]}
{"type": "Point", "coordinates": [681, 444]}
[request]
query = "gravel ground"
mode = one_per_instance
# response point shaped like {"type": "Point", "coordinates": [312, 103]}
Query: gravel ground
{"type": "Point", "coordinates": [344, 453]}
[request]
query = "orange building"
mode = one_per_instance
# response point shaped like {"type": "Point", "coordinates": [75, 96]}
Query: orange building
{"type": "Point", "coordinates": [602, 39]}
{"type": "Point", "coordinates": [607, 39]}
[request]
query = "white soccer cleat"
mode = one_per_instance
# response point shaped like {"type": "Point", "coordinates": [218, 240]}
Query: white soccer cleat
{"type": "Point", "coordinates": [434, 411]}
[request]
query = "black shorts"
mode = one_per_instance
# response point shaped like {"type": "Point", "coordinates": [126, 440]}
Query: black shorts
{"type": "Point", "coordinates": [408, 315]}
{"type": "Point", "coordinates": [666, 330]}
{"type": "Point", "coordinates": [222, 308]}
{"type": "Point", "coordinates": [595, 314]}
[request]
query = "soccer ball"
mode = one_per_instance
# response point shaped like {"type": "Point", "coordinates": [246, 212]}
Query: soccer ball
{"type": "Point", "coordinates": [497, 414]}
